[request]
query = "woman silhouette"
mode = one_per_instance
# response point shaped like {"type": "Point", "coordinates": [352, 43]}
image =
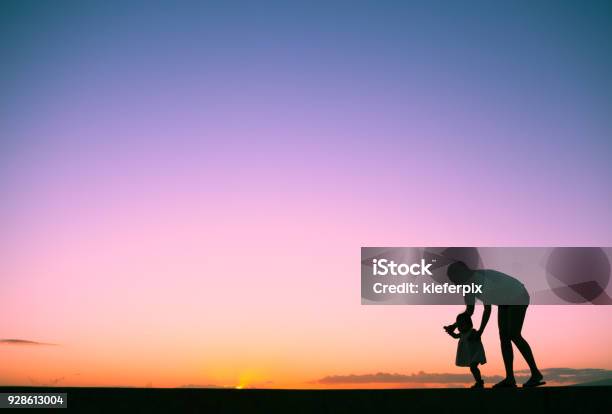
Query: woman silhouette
{"type": "Point", "coordinates": [512, 300]}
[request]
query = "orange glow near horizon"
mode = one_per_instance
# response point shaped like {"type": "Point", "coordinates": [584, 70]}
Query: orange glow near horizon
{"type": "Point", "coordinates": [370, 342]}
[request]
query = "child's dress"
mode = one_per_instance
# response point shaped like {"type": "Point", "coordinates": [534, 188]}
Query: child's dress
{"type": "Point", "coordinates": [470, 350]}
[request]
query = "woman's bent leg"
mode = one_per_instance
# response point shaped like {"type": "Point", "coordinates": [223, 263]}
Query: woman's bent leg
{"type": "Point", "coordinates": [516, 319]}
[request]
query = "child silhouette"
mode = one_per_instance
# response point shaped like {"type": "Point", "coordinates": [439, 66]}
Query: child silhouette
{"type": "Point", "coordinates": [470, 352]}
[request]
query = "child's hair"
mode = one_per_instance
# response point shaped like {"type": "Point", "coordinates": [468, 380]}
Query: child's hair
{"type": "Point", "coordinates": [464, 321]}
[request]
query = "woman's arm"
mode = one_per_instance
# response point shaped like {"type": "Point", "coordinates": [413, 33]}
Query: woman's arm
{"type": "Point", "coordinates": [470, 302]}
{"type": "Point", "coordinates": [469, 310]}
{"type": "Point", "coordinates": [485, 318]}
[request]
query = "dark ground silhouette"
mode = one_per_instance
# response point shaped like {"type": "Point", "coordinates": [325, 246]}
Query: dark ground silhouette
{"type": "Point", "coordinates": [500, 401]}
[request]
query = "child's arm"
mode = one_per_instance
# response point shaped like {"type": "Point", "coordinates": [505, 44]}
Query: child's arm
{"type": "Point", "coordinates": [454, 334]}
{"type": "Point", "coordinates": [451, 331]}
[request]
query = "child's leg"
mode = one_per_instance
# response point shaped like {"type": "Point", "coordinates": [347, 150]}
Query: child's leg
{"type": "Point", "coordinates": [476, 372]}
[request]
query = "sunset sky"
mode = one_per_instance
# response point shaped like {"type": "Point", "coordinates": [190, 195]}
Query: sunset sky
{"type": "Point", "coordinates": [186, 187]}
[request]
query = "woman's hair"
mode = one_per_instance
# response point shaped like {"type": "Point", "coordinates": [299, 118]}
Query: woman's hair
{"type": "Point", "coordinates": [459, 272]}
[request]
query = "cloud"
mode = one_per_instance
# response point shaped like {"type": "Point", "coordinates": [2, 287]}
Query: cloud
{"type": "Point", "coordinates": [50, 383]}
{"type": "Point", "coordinates": [23, 342]}
{"type": "Point", "coordinates": [388, 378]}
{"type": "Point", "coordinates": [555, 375]}
{"type": "Point", "coordinates": [573, 375]}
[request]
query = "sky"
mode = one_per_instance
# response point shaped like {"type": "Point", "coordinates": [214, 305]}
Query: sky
{"type": "Point", "coordinates": [186, 186]}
